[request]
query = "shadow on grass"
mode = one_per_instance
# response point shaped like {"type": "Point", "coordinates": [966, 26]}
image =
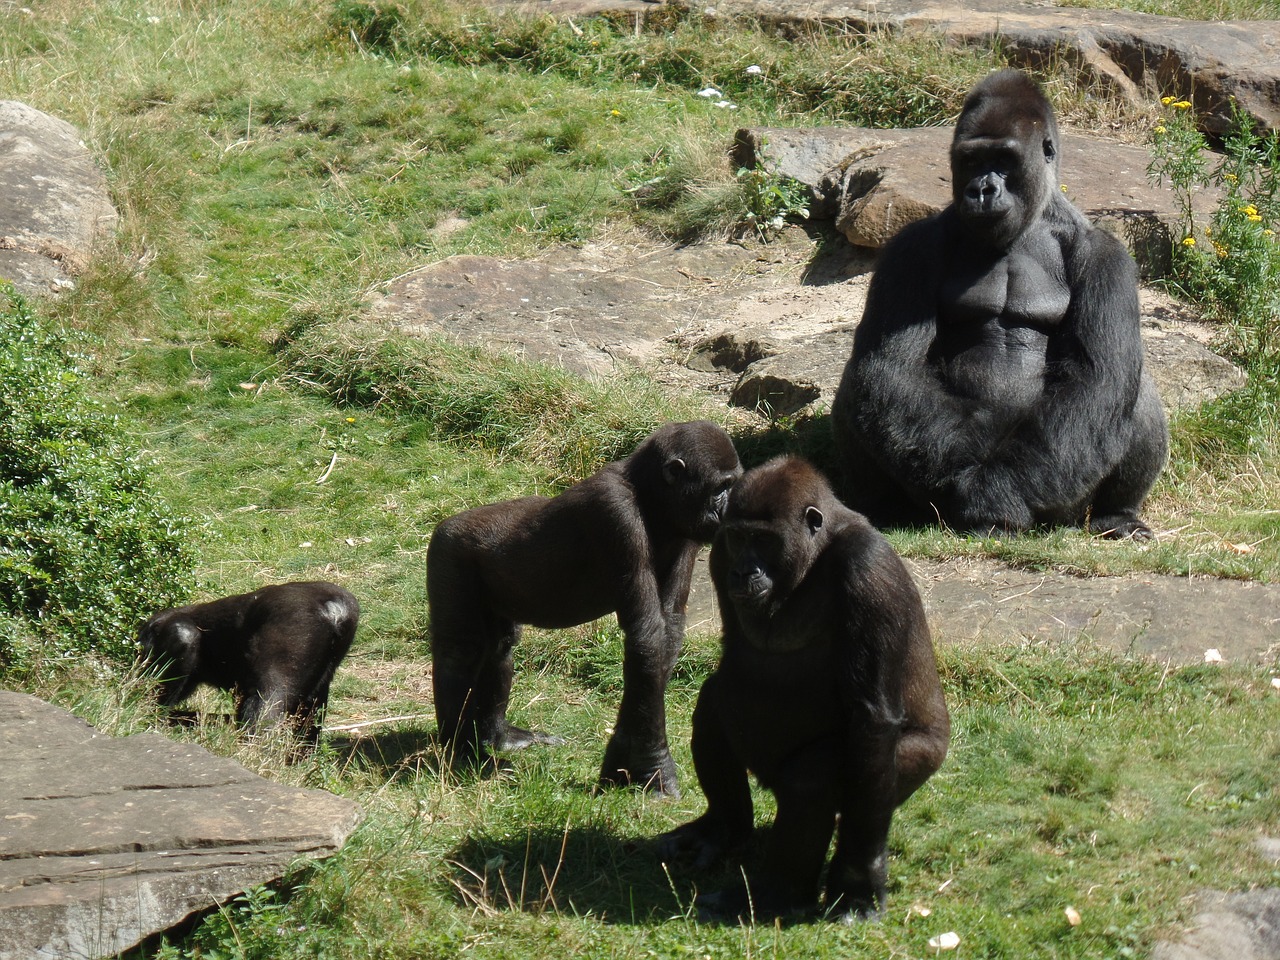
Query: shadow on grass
{"type": "Point", "coordinates": [586, 870]}
{"type": "Point", "coordinates": [397, 755]}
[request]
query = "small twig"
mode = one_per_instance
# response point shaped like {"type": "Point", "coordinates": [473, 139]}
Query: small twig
{"type": "Point", "coordinates": [325, 476]}
{"type": "Point", "coordinates": [373, 723]}
{"type": "Point", "coordinates": [1014, 686]}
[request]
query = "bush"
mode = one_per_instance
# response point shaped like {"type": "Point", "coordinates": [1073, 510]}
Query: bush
{"type": "Point", "coordinates": [86, 547]}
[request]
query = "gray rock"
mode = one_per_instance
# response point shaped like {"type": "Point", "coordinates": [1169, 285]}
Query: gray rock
{"type": "Point", "coordinates": [872, 183]}
{"type": "Point", "coordinates": [1138, 56]}
{"type": "Point", "coordinates": [767, 328]}
{"type": "Point", "coordinates": [54, 204]}
{"type": "Point", "coordinates": [1230, 926]}
{"type": "Point", "coordinates": [105, 841]}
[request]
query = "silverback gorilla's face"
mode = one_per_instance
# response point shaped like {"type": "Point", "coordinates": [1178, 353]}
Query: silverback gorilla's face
{"type": "Point", "coordinates": [1004, 160]}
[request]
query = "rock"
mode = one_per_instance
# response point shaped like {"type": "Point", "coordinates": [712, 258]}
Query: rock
{"type": "Point", "coordinates": [1136, 56]}
{"type": "Point", "coordinates": [1230, 926]}
{"type": "Point", "coordinates": [105, 841]}
{"type": "Point", "coordinates": [54, 204]}
{"type": "Point", "coordinates": [881, 180]}
{"type": "Point", "coordinates": [769, 328]}
{"type": "Point", "coordinates": [970, 599]}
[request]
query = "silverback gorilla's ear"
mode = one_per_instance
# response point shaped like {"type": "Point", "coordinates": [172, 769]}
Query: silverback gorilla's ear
{"type": "Point", "coordinates": [813, 519]}
{"type": "Point", "coordinates": [673, 470]}
{"type": "Point", "coordinates": [1049, 152]}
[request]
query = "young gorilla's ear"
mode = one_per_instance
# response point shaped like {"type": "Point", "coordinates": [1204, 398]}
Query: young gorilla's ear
{"type": "Point", "coordinates": [673, 470]}
{"type": "Point", "coordinates": [813, 519]}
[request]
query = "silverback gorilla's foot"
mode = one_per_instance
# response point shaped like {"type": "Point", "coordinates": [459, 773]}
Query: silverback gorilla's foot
{"type": "Point", "coordinates": [652, 769]}
{"type": "Point", "coordinates": [1120, 528]}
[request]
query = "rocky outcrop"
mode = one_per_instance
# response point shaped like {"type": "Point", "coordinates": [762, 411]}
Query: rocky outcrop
{"type": "Point", "coordinates": [1137, 56]}
{"type": "Point", "coordinates": [54, 205]}
{"type": "Point", "coordinates": [872, 183]}
{"type": "Point", "coordinates": [105, 841]}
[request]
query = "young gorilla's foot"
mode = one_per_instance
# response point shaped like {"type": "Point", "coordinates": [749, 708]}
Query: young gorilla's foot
{"type": "Point", "coordinates": [651, 769]}
{"type": "Point", "coordinates": [1120, 528]}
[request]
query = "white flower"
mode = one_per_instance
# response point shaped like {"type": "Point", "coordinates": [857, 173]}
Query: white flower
{"type": "Point", "coordinates": [754, 70]}
{"type": "Point", "coordinates": [710, 92]}
{"type": "Point", "coordinates": [725, 104]}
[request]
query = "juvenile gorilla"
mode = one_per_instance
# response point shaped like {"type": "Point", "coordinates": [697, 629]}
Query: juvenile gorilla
{"type": "Point", "coordinates": [624, 540]}
{"type": "Point", "coordinates": [277, 648]}
{"type": "Point", "coordinates": [827, 690]}
{"type": "Point", "coordinates": [996, 380]}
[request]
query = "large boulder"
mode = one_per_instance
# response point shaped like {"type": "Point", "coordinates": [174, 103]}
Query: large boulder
{"type": "Point", "coordinates": [54, 205]}
{"type": "Point", "coordinates": [872, 183]}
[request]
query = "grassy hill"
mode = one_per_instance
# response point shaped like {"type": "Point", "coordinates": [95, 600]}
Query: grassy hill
{"type": "Point", "coordinates": [274, 161]}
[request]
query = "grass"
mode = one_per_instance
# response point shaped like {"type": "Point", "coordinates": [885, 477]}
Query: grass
{"type": "Point", "coordinates": [275, 162]}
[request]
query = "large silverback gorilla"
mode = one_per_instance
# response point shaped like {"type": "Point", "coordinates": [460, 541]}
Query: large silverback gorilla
{"type": "Point", "coordinates": [827, 690]}
{"type": "Point", "coordinates": [996, 380]}
{"type": "Point", "coordinates": [622, 541]}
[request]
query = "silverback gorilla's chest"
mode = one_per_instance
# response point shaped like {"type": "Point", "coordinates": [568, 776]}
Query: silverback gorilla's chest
{"type": "Point", "coordinates": [995, 318]}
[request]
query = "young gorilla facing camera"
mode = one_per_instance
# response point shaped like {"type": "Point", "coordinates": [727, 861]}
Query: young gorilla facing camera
{"type": "Point", "coordinates": [622, 541]}
{"type": "Point", "coordinates": [827, 690]}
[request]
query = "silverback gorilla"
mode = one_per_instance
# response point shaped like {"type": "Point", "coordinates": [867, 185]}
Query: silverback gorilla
{"type": "Point", "coordinates": [623, 540]}
{"type": "Point", "coordinates": [996, 380]}
{"type": "Point", "coordinates": [277, 648]}
{"type": "Point", "coordinates": [827, 690]}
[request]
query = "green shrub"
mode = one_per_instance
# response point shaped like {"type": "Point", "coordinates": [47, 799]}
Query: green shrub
{"type": "Point", "coordinates": [1231, 264]}
{"type": "Point", "coordinates": [86, 548]}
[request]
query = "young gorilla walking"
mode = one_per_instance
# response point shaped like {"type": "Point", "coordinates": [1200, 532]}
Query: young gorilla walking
{"type": "Point", "coordinates": [621, 541]}
{"type": "Point", "coordinates": [996, 379]}
{"type": "Point", "coordinates": [277, 648]}
{"type": "Point", "coordinates": [827, 690]}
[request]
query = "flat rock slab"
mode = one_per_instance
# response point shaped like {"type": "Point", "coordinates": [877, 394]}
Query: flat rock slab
{"type": "Point", "coordinates": [54, 204]}
{"type": "Point", "coordinates": [1169, 619]}
{"type": "Point", "coordinates": [765, 327]}
{"type": "Point", "coordinates": [105, 841]}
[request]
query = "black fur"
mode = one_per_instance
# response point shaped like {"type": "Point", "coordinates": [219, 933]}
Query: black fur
{"type": "Point", "coordinates": [827, 690]}
{"type": "Point", "coordinates": [277, 648]}
{"type": "Point", "coordinates": [996, 380]}
{"type": "Point", "coordinates": [622, 541]}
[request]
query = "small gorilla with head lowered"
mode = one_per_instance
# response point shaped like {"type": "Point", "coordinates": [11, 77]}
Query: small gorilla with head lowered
{"type": "Point", "coordinates": [621, 541]}
{"type": "Point", "coordinates": [996, 380]}
{"type": "Point", "coordinates": [827, 690]}
{"type": "Point", "coordinates": [277, 648]}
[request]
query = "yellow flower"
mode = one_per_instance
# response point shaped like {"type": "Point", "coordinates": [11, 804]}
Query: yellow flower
{"type": "Point", "coordinates": [1160, 128]}
{"type": "Point", "coordinates": [1188, 241]}
{"type": "Point", "coordinates": [1221, 251]}
{"type": "Point", "coordinates": [1254, 218]}
{"type": "Point", "coordinates": [1064, 188]}
{"type": "Point", "coordinates": [1230, 177]}
{"type": "Point", "coordinates": [615, 113]}
{"type": "Point", "coordinates": [1166, 100]}
{"type": "Point", "coordinates": [1268, 232]}
{"type": "Point", "coordinates": [1182, 105]}
{"type": "Point", "coordinates": [1249, 210]}
{"type": "Point", "coordinates": [351, 419]}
